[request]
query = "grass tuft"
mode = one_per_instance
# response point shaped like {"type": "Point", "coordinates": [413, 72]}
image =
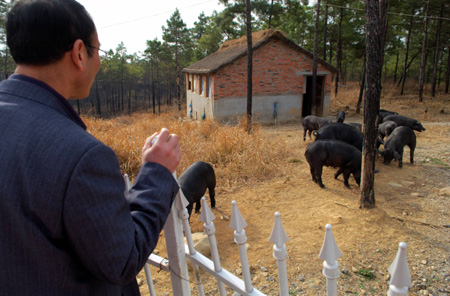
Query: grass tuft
{"type": "Point", "coordinates": [366, 273]}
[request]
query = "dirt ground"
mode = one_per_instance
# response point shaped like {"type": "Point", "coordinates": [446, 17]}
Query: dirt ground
{"type": "Point", "coordinates": [410, 207]}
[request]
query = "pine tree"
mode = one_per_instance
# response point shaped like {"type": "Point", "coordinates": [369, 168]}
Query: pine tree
{"type": "Point", "coordinates": [178, 37]}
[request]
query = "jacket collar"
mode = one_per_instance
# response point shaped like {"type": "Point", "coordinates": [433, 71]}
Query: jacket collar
{"type": "Point", "coordinates": [54, 100]}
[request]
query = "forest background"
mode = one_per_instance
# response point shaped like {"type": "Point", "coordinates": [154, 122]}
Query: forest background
{"type": "Point", "coordinates": [417, 32]}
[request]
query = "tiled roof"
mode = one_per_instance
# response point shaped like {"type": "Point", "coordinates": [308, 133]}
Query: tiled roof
{"type": "Point", "coordinates": [232, 50]}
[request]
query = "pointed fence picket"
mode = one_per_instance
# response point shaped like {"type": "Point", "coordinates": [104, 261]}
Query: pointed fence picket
{"type": "Point", "coordinates": [238, 224]}
{"type": "Point", "coordinates": [279, 238]}
{"type": "Point", "coordinates": [399, 271]}
{"type": "Point", "coordinates": [329, 254]}
{"type": "Point", "coordinates": [178, 253]}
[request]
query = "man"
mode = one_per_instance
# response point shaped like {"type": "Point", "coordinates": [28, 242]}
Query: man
{"type": "Point", "coordinates": [66, 227]}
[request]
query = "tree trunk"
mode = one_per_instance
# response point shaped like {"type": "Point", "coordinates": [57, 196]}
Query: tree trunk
{"type": "Point", "coordinates": [249, 67]}
{"type": "Point", "coordinates": [441, 64]}
{"type": "Point", "coordinates": [121, 84]}
{"type": "Point", "coordinates": [158, 89]}
{"type": "Point", "coordinates": [159, 96]}
{"type": "Point", "coordinates": [270, 14]}
{"type": "Point", "coordinates": [178, 78]}
{"type": "Point", "coordinates": [120, 99]}
{"type": "Point", "coordinates": [330, 46]}
{"type": "Point", "coordinates": [152, 77]}
{"type": "Point", "coordinates": [424, 55]}
{"type": "Point", "coordinates": [436, 53]}
{"type": "Point", "coordinates": [407, 67]}
{"type": "Point", "coordinates": [325, 31]}
{"type": "Point", "coordinates": [108, 103]}
{"type": "Point", "coordinates": [97, 96]}
{"type": "Point", "coordinates": [408, 38]}
{"type": "Point", "coordinates": [344, 72]}
{"type": "Point", "coordinates": [153, 96]}
{"type": "Point", "coordinates": [339, 52]}
{"type": "Point", "coordinates": [361, 89]}
{"type": "Point", "coordinates": [5, 65]}
{"type": "Point", "coordinates": [396, 67]}
{"type": "Point", "coordinates": [447, 75]}
{"type": "Point", "coordinates": [375, 11]}
{"type": "Point", "coordinates": [129, 101]}
{"type": "Point", "coordinates": [315, 53]}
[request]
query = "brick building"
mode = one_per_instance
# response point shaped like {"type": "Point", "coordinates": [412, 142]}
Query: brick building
{"type": "Point", "coordinates": [216, 86]}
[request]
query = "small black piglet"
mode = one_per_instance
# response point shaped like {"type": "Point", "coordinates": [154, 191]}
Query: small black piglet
{"type": "Point", "coordinates": [194, 181]}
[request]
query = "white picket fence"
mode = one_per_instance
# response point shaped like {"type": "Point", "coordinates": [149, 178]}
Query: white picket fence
{"type": "Point", "coordinates": [178, 253]}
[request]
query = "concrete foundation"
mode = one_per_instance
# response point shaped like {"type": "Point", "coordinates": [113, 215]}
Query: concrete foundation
{"type": "Point", "coordinates": [288, 107]}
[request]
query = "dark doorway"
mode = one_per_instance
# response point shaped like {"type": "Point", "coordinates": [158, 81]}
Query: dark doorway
{"type": "Point", "coordinates": [311, 107]}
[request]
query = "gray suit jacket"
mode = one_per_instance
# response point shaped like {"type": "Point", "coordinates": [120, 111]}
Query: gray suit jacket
{"type": "Point", "coordinates": [65, 226]}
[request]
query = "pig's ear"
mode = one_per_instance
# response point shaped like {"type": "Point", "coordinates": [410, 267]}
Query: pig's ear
{"type": "Point", "coordinates": [383, 152]}
{"type": "Point", "coordinates": [397, 156]}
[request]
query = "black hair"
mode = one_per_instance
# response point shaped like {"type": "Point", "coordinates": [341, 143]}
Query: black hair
{"type": "Point", "coordinates": [40, 32]}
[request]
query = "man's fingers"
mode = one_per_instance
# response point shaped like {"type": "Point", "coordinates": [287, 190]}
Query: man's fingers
{"type": "Point", "coordinates": [173, 139]}
{"type": "Point", "coordinates": [148, 141]}
{"type": "Point", "coordinates": [163, 136]}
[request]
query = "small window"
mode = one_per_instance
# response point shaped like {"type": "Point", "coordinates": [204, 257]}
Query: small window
{"type": "Point", "coordinates": [208, 87]}
{"type": "Point", "coordinates": [195, 84]}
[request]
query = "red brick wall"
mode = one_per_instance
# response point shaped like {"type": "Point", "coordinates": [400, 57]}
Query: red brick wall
{"type": "Point", "coordinates": [274, 68]}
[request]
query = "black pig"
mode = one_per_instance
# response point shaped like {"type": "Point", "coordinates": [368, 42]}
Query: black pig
{"type": "Point", "coordinates": [313, 123]}
{"type": "Point", "coordinates": [386, 128]}
{"type": "Point", "coordinates": [393, 146]}
{"type": "Point", "coordinates": [194, 181]}
{"type": "Point", "coordinates": [341, 131]}
{"type": "Point", "coordinates": [358, 126]}
{"type": "Point", "coordinates": [335, 154]}
{"type": "Point", "coordinates": [383, 113]}
{"type": "Point", "coordinates": [405, 121]}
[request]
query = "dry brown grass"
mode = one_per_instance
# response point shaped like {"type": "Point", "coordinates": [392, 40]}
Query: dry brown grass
{"type": "Point", "coordinates": [407, 104]}
{"type": "Point", "coordinates": [237, 157]}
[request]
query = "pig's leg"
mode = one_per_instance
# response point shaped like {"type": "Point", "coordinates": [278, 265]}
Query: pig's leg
{"type": "Point", "coordinates": [313, 173]}
{"type": "Point", "coordinates": [198, 205]}
{"type": "Point", "coordinates": [319, 176]}
{"type": "Point", "coordinates": [346, 176]}
{"type": "Point", "coordinates": [212, 195]}
{"type": "Point", "coordinates": [411, 153]}
{"type": "Point", "coordinates": [189, 208]}
{"type": "Point", "coordinates": [400, 161]}
{"type": "Point", "coordinates": [339, 171]}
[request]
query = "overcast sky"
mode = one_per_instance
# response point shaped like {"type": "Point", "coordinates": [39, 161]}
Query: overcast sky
{"type": "Point", "coordinates": [136, 21]}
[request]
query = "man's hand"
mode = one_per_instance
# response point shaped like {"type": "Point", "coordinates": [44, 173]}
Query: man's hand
{"type": "Point", "coordinates": [165, 150]}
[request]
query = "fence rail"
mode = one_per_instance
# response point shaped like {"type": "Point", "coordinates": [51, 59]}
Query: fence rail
{"type": "Point", "coordinates": [179, 253]}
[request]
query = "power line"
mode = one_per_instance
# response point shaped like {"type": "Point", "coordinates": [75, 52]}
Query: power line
{"type": "Point", "coordinates": [392, 13]}
{"type": "Point", "coordinates": [153, 15]}
{"type": "Point", "coordinates": [331, 5]}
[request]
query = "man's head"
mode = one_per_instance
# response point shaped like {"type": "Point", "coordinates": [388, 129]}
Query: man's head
{"type": "Point", "coordinates": [40, 32]}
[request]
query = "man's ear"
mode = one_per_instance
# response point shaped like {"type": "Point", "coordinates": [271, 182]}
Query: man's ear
{"type": "Point", "coordinates": [78, 54]}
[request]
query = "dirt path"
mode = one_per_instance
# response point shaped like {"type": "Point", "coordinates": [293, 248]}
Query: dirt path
{"type": "Point", "coordinates": [409, 208]}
